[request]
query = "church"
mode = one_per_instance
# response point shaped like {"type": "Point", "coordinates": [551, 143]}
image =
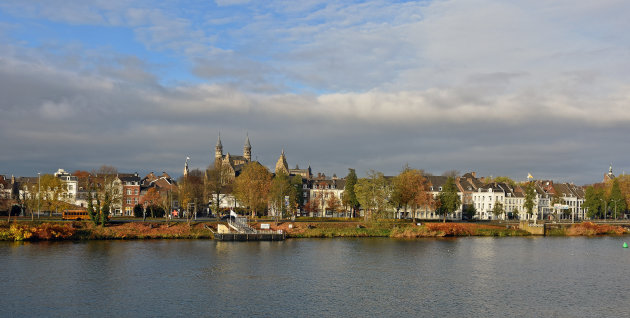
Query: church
{"type": "Point", "coordinates": [233, 163]}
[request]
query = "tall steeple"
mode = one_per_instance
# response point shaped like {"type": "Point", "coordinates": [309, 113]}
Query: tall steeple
{"type": "Point", "coordinates": [282, 165]}
{"type": "Point", "coordinates": [218, 149]}
{"type": "Point", "coordinates": [186, 167]}
{"type": "Point", "coordinates": [247, 149]}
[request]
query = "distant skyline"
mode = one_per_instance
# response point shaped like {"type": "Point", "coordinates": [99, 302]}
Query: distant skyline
{"type": "Point", "coordinates": [503, 88]}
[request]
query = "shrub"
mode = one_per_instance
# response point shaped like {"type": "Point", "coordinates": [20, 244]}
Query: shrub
{"type": "Point", "coordinates": [590, 228]}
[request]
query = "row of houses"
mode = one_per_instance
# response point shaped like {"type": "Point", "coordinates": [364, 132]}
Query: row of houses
{"type": "Point", "coordinates": [557, 200]}
{"type": "Point", "coordinates": [128, 189]}
{"type": "Point", "coordinates": [552, 200]}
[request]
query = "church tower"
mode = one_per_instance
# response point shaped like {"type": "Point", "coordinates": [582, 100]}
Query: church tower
{"type": "Point", "coordinates": [186, 167]}
{"type": "Point", "coordinates": [282, 165]}
{"type": "Point", "coordinates": [218, 149]}
{"type": "Point", "coordinates": [247, 150]}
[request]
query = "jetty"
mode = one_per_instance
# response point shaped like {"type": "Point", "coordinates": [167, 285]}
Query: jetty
{"type": "Point", "coordinates": [238, 229]}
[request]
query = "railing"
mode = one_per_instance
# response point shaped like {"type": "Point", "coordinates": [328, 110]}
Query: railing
{"type": "Point", "coordinates": [241, 225]}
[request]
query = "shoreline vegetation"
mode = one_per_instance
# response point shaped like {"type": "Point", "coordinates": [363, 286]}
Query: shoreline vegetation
{"type": "Point", "coordinates": [79, 230]}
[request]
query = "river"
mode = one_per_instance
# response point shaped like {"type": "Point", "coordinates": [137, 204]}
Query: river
{"type": "Point", "coordinates": [463, 277]}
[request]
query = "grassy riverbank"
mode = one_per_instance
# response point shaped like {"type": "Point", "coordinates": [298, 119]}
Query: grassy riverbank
{"type": "Point", "coordinates": [54, 231]}
{"type": "Point", "coordinates": [51, 231]}
{"type": "Point", "coordinates": [395, 230]}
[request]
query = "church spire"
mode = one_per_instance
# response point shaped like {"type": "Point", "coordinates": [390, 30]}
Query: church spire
{"type": "Point", "coordinates": [247, 149]}
{"type": "Point", "coordinates": [282, 165]}
{"type": "Point", "coordinates": [218, 149]}
{"type": "Point", "coordinates": [186, 167]}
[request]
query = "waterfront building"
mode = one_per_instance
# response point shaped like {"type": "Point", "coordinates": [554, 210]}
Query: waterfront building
{"type": "Point", "coordinates": [130, 192]}
{"type": "Point", "coordinates": [322, 196]}
{"type": "Point", "coordinates": [70, 186]}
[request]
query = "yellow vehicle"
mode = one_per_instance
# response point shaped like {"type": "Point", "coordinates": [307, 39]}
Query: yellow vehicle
{"type": "Point", "coordinates": [75, 215]}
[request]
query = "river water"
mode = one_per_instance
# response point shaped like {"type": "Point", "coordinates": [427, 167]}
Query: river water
{"type": "Point", "coordinates": [463, 277]}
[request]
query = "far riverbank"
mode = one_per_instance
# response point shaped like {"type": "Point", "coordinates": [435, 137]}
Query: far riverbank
{"type": "Point", "coordinates": [26, 230]}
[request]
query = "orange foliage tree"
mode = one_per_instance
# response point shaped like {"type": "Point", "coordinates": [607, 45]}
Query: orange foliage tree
{"type": "Point", "coordinates": [252, 187]}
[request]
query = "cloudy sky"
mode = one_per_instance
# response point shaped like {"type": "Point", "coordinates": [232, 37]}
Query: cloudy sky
{"type": "Point", "coordinates": [498, 87]}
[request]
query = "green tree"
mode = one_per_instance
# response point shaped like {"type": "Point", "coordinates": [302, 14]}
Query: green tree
{"type": "Point", "coordinates": [616, 199]}
{"type": "Point", "coordinates": [373, 193]}
{"type": "Point", "coordinates": [297, 198]}
{"type": "Point", "coordinates": [99, 210]}
{"type": "Point", "coordinates": [497, 209]}
{"type": "Point", "coordinates": [500, 179]}
{"type": "Point", "coordinates": [252, 187]}
{"type": "Point", "coordinates": [280, 188]}
{"type": "Point", "coordinates": [530, 196]}
{"type": "Point", "coordinates": [469, 211]}
{"type": "Point", "coordinates": [594, 202]}
{"type": "Point", "coordinates": [138, 210]}
{"type": "Point", "coordinates": [515, 213]}
{"type": "Point", "coordinates": [349, 195]}
{"type": "Point", "coordinates": [448, 201]}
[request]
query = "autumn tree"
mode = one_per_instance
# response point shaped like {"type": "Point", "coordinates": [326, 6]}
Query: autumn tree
{"type": "Point", "coordinates": [190, 192]}
{"type": "Point", "coordinates": [410, 189]}
{"type": "Point", "coordinates": [150, 199]}
{"type": "Point", "coordinates": [105, 186]}
{"type": "Point", "coordinates": [333, 204]}
{"type": "Point", "coordinates": [448, 200]}
{"type": "Point", "coordinates": [349, 195]}
{"type": "Point", "coordinates": [51, 193]}
{"type": "Point", "coordinates": [30, 194]}
{"type": "Point", "coordinates": [310, 206]}
{"type": "Point", "coordinates": [252, 187]}
{"type": "Point", "coordinates": [373, 193]}
{"type": "Point", "coordinates": [219, 183]}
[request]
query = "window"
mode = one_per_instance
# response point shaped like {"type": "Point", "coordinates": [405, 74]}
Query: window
{"type": "Point", "coordinates": [128, 191]}
{"type": "Point", "coordinates": [128, 200]}
{"type": "Point", "coordinates": [135, 191]}
{"type": "Point", "coordinates": [304, 194]}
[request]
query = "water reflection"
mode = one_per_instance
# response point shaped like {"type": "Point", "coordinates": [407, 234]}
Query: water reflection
{"type": "Point", "coordinates": [319, 277]}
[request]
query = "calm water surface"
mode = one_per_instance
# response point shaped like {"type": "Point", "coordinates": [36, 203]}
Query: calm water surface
{"type": "Point", "coordinates": [466, 277]}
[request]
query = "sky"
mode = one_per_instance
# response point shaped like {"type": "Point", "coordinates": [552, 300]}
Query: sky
{"type": "Point", "coordinates": [503, 88]}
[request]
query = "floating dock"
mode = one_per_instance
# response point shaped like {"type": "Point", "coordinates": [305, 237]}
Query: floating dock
{"type": "Point", "coordinates": [249, 237]}
{"type": "Point", "coordinates": [239, 230]}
